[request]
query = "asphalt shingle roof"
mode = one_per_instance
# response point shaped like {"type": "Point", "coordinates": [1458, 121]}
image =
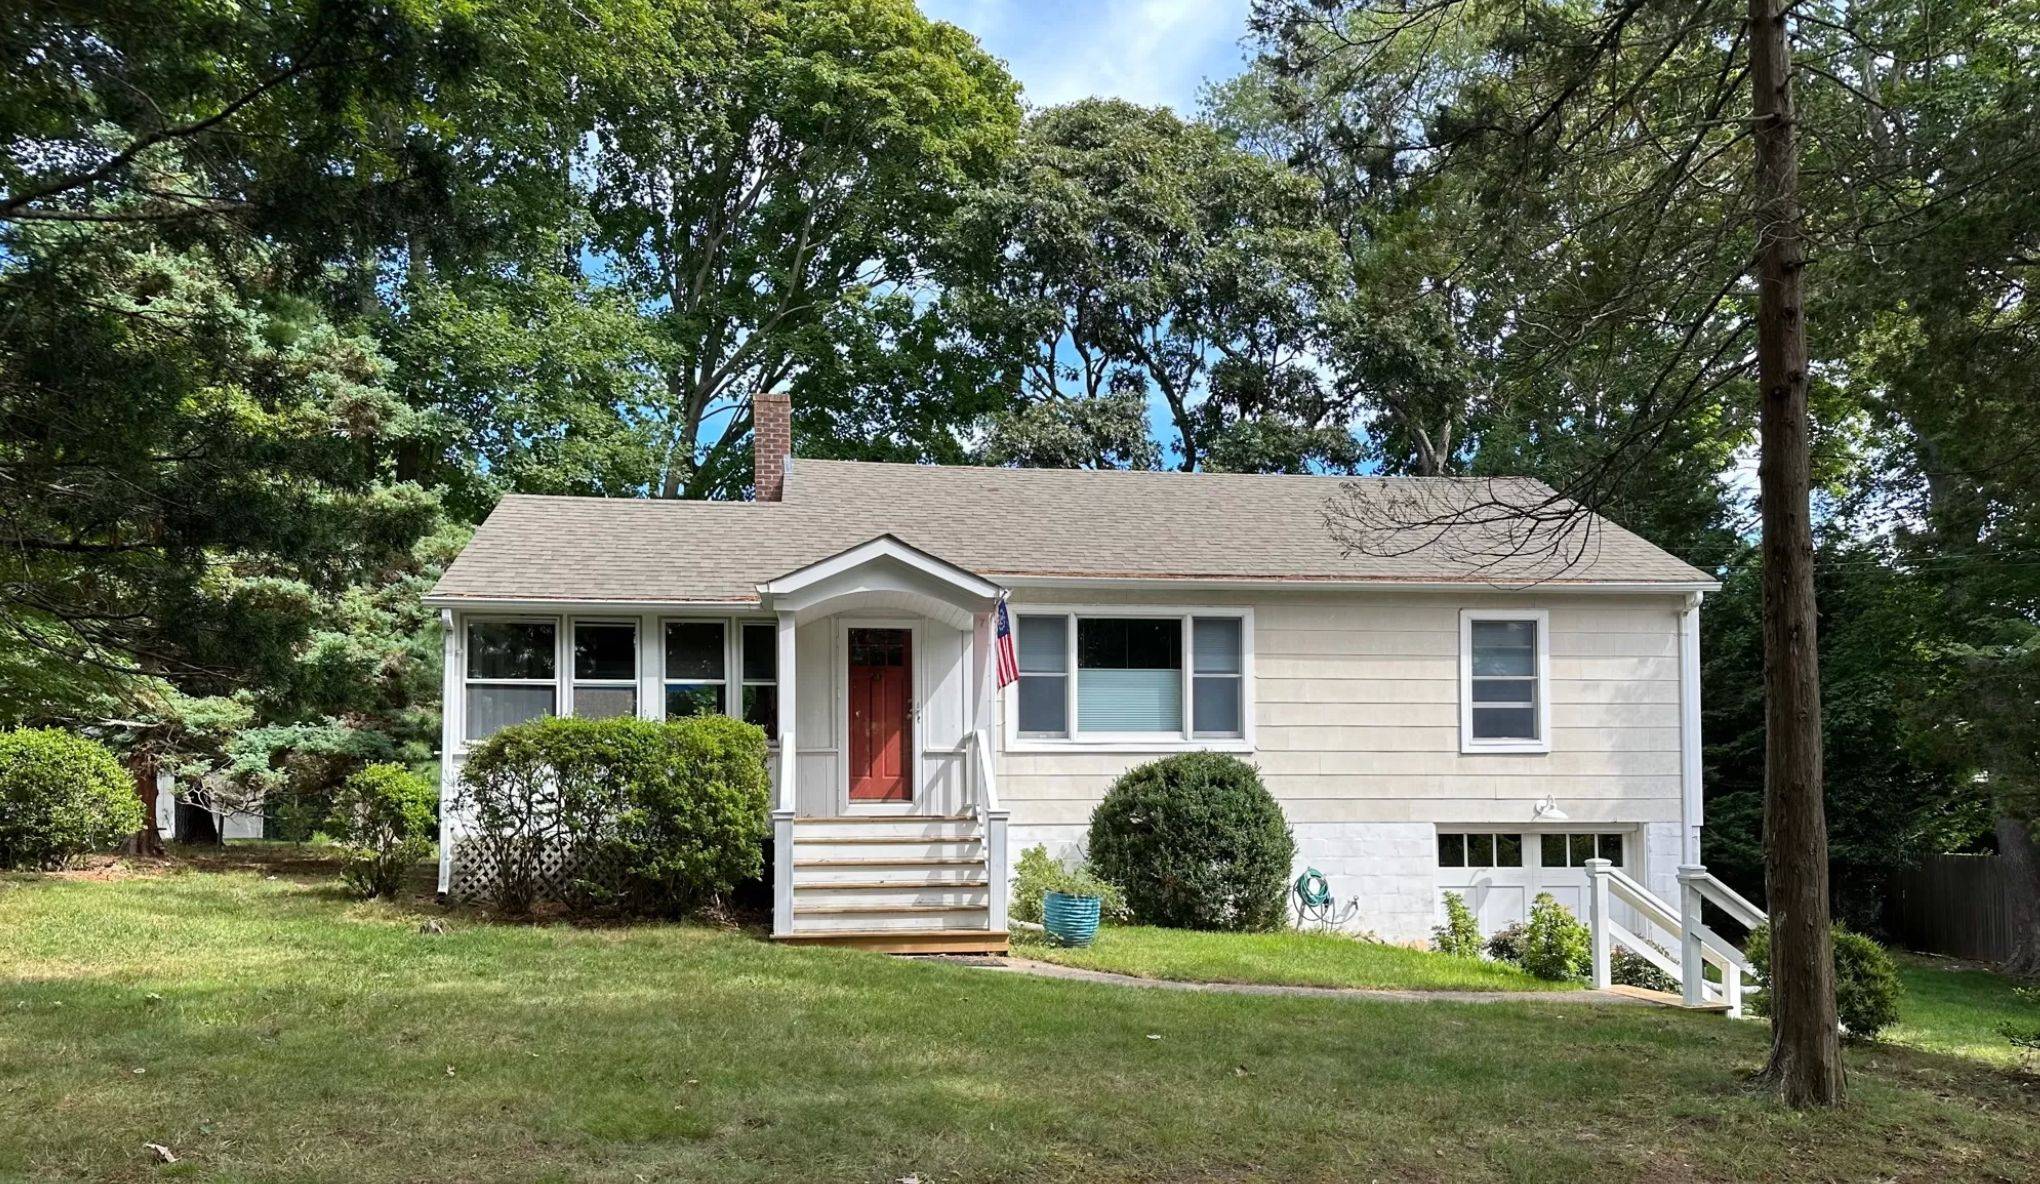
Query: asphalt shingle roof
{"type": "Point", "coordinates": [1052, 522]}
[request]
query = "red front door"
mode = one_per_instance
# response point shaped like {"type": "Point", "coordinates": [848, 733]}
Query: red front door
{"type": "Point", "coordinates": [881, 715]}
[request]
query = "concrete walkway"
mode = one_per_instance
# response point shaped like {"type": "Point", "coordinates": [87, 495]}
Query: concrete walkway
{"type": "Point", "coordinates": [1613, 995]}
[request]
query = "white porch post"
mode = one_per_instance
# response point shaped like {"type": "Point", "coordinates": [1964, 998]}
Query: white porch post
{"type": "Point", "coordinates": [451, 706]}
{"type": "Point", "coordinates": [783, 806]}
{"type": "Point", "coordinates": [1692, 806]}
{"type": "Point", "coordinates": [1692, 968]}
{"type": "Point", "coordinates": [1597, 921]}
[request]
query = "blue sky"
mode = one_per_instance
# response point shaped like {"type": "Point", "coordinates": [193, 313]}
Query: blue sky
{"type": "Point", "coordinates": [1157, 52]}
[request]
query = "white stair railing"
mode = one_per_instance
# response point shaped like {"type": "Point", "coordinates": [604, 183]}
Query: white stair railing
{"type": "Point", "coordinates": [1699, 946]}
{"type": "Point", "coordinates": [991, 818]}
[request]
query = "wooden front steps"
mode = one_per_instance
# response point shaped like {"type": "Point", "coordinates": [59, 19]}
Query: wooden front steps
{"type": "Point", "coordinates": [906, 883]}
{"type": "Point", "coordinates": [904, 941]}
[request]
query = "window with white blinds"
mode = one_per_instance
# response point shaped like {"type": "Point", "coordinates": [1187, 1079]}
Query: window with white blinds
{"type": "Point", "coordinates": [1151, 678]}
{"type": "Point", "coordinates": [1503, 677]}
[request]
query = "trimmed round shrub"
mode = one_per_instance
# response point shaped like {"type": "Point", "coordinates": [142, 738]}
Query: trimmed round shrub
{"type": "Point", "coordinates": [1195, 842]}
{"type": "Point", "coordinates": [382, 816]}
{"type": "Point", "coordinates": [60, 797]}
{"type": "Point", "coordinates": [1867, 988]}
{"type": "Point", "coordinates": [649, 817]}
{"type": "Point", "coordinates": [1556, 945]}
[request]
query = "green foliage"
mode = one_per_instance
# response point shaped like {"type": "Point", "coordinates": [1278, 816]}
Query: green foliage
{"type": "Point", "coordinates": [659, 817]}
{"type": "Point", "coordinates": [1460, 934]}
{"type": "Point", "coordinates": [1195, 842]}
{"type": "Point", "coordinates": [2025, 1035]}
{"type": "Point", "coordinates": [60, 797]}
{"type": "Point", "coordinates": [1038, 873]}
{"type": "Point", "coordinates": [1626, 968]}
{"type": "Point", "coordinates": [383, 820]}
{"type": "Point", "coordinates": [1506, 944]}
{"type": "Point", "coordinates": [1556, 944]}
{"type": "Point", "coordinates": [1867, 987]}
{"type": "Point", "coordinates": [1134, 254]}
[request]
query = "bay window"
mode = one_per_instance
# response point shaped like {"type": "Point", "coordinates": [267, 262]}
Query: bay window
{"type": "Point", "coordinates": [1503, 675]}
{"type": "Point", "coordinates": [509, 675]}
{"type": "Point", "coordinates": [1141, 677]}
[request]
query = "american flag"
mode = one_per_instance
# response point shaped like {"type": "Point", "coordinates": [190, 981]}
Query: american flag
{"type": "Point", "coordinates": [1009, 663]}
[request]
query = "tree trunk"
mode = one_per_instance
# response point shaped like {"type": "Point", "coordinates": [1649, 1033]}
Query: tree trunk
{"type": "Point", "coordinates": [1806, 1057]}
{"type": "Point", "coordinates": [147, 841]}
{"type": "Point", "coordinates": [2016, 850]}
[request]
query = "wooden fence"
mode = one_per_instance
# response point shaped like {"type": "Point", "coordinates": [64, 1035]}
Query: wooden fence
{"type": "Point", "coordinates": [1958, 905]}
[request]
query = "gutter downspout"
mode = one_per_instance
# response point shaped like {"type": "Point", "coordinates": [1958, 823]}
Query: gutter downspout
{"type": "Point", "coordinates": [1692, 809]}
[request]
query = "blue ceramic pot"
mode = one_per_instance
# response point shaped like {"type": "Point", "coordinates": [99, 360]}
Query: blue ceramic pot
{"type": "Point", "coordinates": [1070, 920]}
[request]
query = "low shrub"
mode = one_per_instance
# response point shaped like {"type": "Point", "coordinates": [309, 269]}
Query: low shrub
{"type": "Point", "coordinates": [1867, 988]}
{"type": "Point", "coordinates": [649, 817]}
{"type": "Point", "coordinates": [1506, 944]}
{"type": "Point", "coordinates": [60, 797]}
{"type": "Point", "coordinates": [1195, 842]}
{"type": "Point", "coordinates": [1459, 936]}
{"type": "Point", "coordinates": [1038, 873]}
{"type": "Point", "coordinates": [1626, 968]}
{"type": "Point", "coordinates": [1556, 945]}
{"type": "Point", "coordinates": [382, 819]}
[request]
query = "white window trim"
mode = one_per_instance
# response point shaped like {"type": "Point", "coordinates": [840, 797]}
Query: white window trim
{"type": "Point", "coordinates": [1467, 743]}
{"type": "Point", "coordinates": [631, 684]}
{"type": "Point", "coordinates": [1081, 741]}
{"type": "Point", "coordinates": [562, 655]}
{"type": "Point", "coordinates": [732, 681]}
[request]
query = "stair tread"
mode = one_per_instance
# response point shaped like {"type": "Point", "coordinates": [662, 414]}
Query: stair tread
{"type": "Point", "coordinates": [903, 885]}
{"type": "Point", "coordinates": [855, 840]}
{"type": "Point", "coordinates": [838, 910]}
{"type": "Point", "coordinates": [903, 819]}
{"type": "Point", "coordinates": [896, 861]}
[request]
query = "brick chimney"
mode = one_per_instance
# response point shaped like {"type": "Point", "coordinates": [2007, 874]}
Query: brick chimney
{"type": "Point", "coordinates": [771, 444]}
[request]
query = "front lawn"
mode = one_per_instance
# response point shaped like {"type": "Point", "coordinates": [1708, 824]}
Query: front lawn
{"type": "Point", "coordinates": [1287, 959]}
{"type": "Point", "coordinates": [263, 1027]}
{"type": "Point", "coordinates": [1956, 1008]}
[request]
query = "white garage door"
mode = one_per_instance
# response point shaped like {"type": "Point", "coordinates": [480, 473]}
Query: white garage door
{"type": "Point", "coordinates": [1499, 872]}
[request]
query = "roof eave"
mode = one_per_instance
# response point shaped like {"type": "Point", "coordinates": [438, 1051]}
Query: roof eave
{"type": "Point", "coordinates": [1263, 583]}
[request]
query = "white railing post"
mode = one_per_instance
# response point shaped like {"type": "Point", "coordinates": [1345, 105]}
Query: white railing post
{"type": "Point", "coordinates": [785, 795]}
{"type": "Point", "coordinates": [1598, 917]}
{"type": "Point", "coordinates": [1692, 972]}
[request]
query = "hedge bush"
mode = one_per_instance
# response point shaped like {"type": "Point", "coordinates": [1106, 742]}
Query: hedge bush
{"type": "Point", "coordinates": [1038, 873]}
{"type": "Point", "coordinates": [1195, 842]}
{"type": "Point", "coordinates": [1867, 988]}
{"type": "Point", "coordinates": [1627, 968]}
{"type": "Point", "coordinates": [1459, 936]}
{"type": "Point", "coordinates": [1556, 945]}
{"type": "Point", "coordinates": [670, 814]}
{"type": "Point", "coordinates": [60, 797]}
{"type": "Point", "coordinates": [382, 817]}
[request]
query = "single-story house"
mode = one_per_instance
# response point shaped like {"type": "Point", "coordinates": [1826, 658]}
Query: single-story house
{"type": "Point", "coordinates": [1432, 717]}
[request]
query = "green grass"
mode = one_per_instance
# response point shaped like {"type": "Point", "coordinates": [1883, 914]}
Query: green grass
{"type": "Point", "coordinates": [1287, 959]}
{"type": "Point", "coordinates": [268, 1029]}
{"type": "Point", "coordinates": [1959, 1009]}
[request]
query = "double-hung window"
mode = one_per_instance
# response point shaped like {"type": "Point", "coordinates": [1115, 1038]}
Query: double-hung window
{"type": "Point", "coordinates": [510, 675]}
{"type": "Point", "coordinates": [605, 669]}
{"type": "Point", "coordinates": [704, 676]}
{"type": "Point", "coordinates": [697, 668]}
{"type": "Point", "coordinates": [1503, 681]}
{"type": "Point", "coordinates": [1164, 679]}
{"type": "Point", "coordinates": [760, 666]}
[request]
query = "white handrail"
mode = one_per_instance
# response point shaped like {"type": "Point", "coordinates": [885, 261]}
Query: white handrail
{"type": "Point", "coordinates": [1729, 900]}
{"type": "Point", "coordinates": [1700, 945]}
{"type": "Point", "coordinates": [992, 820]}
